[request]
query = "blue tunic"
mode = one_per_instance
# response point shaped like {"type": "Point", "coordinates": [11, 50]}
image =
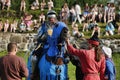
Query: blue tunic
{"type": "Point", "coordinates": [48, 69]}
{"type": "Point", "coordinates": [110, 69]}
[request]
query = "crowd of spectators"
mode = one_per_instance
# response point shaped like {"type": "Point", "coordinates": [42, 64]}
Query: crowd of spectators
{"type": "Point", "coordinates": [87, 16]}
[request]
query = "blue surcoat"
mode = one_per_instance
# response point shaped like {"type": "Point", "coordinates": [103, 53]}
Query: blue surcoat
{"type": "Point", "coordinates": [47, 68]}
{"type": "Point", "coordinates": [110, 69]}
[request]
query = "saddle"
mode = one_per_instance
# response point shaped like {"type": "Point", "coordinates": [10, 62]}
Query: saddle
{"type": "Point", "coordinates": [55, 60]}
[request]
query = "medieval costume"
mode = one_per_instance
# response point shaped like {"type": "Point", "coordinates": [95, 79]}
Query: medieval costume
{"type": "Point", "coordinates": [110, 71]}
{"type": "Point", "coordinates": [51, 61]}
{"type": "Point", "coordinates": [93, 67]}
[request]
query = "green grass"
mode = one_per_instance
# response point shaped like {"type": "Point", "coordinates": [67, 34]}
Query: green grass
{"type": "Point", "coordinates": [71, 68]}
{"type": "Point", "coordinates": [116, 59]}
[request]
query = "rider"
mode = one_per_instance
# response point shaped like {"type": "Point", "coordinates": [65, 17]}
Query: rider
{"type": "Point", "coordinates": [52, 59]}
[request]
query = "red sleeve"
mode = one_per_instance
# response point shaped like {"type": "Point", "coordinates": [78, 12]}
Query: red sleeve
{"type": "Point", "coordinates": [74, 51]}
{"type": "Point", "coordinates": [102, 68]}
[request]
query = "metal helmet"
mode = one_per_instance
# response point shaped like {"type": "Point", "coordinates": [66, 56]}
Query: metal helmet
{"type": "Point", "coordinates": [51, 13]}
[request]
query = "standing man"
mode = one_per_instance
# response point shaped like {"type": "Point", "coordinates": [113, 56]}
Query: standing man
{"type": "Point", "coordinates": [12, 67]}
{"type": "Point", "coordinates": [78, 13]}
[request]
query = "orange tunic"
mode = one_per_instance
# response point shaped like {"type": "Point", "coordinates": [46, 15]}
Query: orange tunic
{"type": "Point", "coordinates": [92, 70]}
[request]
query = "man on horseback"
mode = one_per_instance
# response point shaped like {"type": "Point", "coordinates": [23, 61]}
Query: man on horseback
{"type": "Point", "coordinates": [52, 60]}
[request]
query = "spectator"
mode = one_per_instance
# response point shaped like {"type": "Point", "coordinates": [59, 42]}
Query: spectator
{"type": "Point", "coordinates": [28, 21]}
{"type": "Point", "coordinates": [85, 26]}
{"type": "Point", "coordinates": [76, 32]}
{"type": "Point", "coordinates": [6, 25]}
{"type": "Point", "coordinates": [65, 13]}
{"type": "Point", "coordinates": [119, 30]}
{"type": "Point", "coordinates": [96, 31]}
{"type": "Point", "coordinates": [91, 25]}
{"type": "Point", "coordinates": [109, 29]}
{"type": "Point", "coordinates": [22, 26]}
{"type": "Point", "coordinates": [35, 5]}
{"type": "Point", "coordinates": [43, 4]}
{"type": "Point", "coordinates": [106, 12]}
{"type": "Point", "coordinates": [86, 12]}
{"type": "Point", "coordinates": [78, 13]}
{"type": "Point", "coordinates": [12, 67]}
{"type": "Point", "coordinates": [100, 13]}
{"type": "Point", "coordinates": [50, 5]}
{"type": "Point", "coordinates": [23, 5]}
{"type": "Point", "coordinates": [7, 4]}
{"type": "Point", "coordinates": [13, 26]}
{"type": "Point", "coordinates": [2, 4]}
{"type": "Point", "coordinates": [111, 12]}
{"type": "Point", "coordinates": [115, 24]}
{"type": "Point", "coordinates": [94, 12]}
{"type": "Point", "coordinates": [1, 25]}
{"type": "Point", "coordinates": [36, 25]}
{"type": "Point", "coordinates": [72, 15]}
{"type": "Point", "coordinates": [41, 17]}
{"type": "Point", "coordinates": [92, 60]}
{"type": "Point", "coordinates": [110, 72]}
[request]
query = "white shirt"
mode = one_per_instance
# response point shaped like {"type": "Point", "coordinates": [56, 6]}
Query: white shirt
{"type": "Point", "coordinates": [77, 9]}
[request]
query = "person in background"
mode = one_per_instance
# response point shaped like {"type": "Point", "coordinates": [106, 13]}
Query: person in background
{"type": "Point", "coordinates": [65, 13]}
{"type": "Point", "coordinates": [92, 60]}
{"type": "Point", "coordinates": [6, 25]}
{"type": "Point", "coordinates": [96, 31]}
{"type": "Point", "coordinates": [100, 13]}
{"type": "Point", "coordinates": [22, 26]}
{"type": "Point", "coordinates": [35, 5]}
{"type": "Point", "coordinates": [110, 72]}
{"type": "Point", "coordinates": [42, 5]}
{"type": "Point", "coordinates": [23, 5]}
{"type": "Point", "coordinates": [28, 21]}
{"type": "Point", "coordinates": [78, 13]}
{"type": "Point", "coordinates": [50, 5]}
{"type": "Point", "coordinates": [72, 15]}
{"type": "Point", "coordinates": [85, 26]}
{"type": "Point", "coordinates": [106, 12]}
{"type": "Point", "coordinates": [36, 25]}
{"type": "Point", "coordinates": [42, 17]}
{"type": "Point", "coordinates": [7, 4]}
{"type": "Point", "coordinates": [109, 29]}
{"type": "Point", "coordinates": [1, 25]}
{"type": "Point", "coordinates": [86, 11]}
{"type": "Point", "coordinates": [75, 31]}
{"type": "Point", "coordinates": [13, 26]}
{"type": "Point", "coordinates": [12, 67]}
{"type": "Point", "coordinates": [119, 30]}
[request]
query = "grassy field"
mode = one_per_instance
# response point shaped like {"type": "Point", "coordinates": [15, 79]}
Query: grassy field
{"type": "Point", "coordinates": [71, 68]}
